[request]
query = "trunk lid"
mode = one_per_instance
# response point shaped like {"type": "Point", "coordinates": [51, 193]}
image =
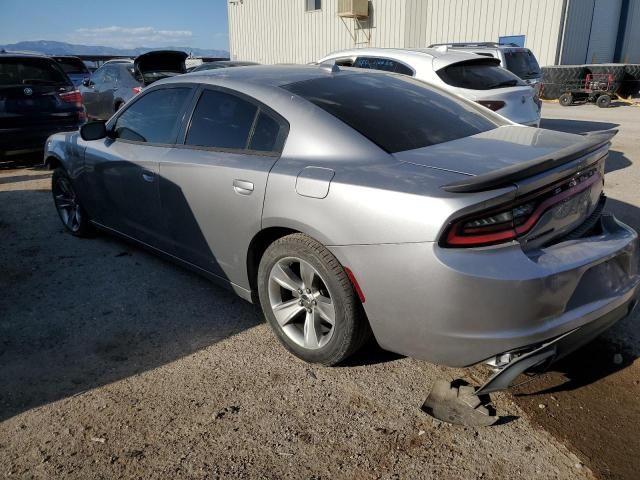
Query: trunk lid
{"type": "Point", "coordinates": [558, 176]}
{"type": "Point", "coordinates": [156, 65]}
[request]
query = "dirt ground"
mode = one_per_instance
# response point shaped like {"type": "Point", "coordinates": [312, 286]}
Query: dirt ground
{"type": "Point", "coordinates": [117, 364]}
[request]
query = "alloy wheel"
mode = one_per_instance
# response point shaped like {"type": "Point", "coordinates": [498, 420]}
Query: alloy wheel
{"type": "Point", "coordinates": [301, 303]}
{"type": "Point", "coordinates": [67, 204]}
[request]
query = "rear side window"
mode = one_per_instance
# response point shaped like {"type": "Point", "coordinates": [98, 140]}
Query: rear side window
{"type": "Point", "coordinates": [221, 120]}
{"type": "Point", "coordinates": [154, 118]}
{"type": "Point", "coordinates": [265, 134]}
{"type": "Point", "coordinates": [396, 113]}
{"type": "Point", "coordinates": [522, 63]}
{"type": "Point", "coordinates": [478, 75]}
{"type": "Point", "coordinates": [384, 64]}
{"type": "Point", "coordinates": [72, 65]}
{"type": "Point", "coordinates": [31, 71]}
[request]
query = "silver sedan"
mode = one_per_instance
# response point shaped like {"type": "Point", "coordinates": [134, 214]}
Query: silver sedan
{"type": "Point", "coordinates": [350, 203]}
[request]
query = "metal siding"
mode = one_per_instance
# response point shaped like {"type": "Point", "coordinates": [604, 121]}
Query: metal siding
{"type": "Point", "coordinates": [577, 31]}
{"type": "Point", "coordinates": [631, 43]}
{"type": "Point", "coordinates": [604, 31]}
{"type": "Point", "coordinates": [487, 20]}
{"type": "Point", "coordinates": [280, 31]}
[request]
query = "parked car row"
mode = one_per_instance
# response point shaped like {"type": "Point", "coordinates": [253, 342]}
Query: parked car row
{"type": "Point", "coordinates": [102, 93]}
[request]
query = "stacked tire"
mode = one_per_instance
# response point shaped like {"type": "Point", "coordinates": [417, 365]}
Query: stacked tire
{"type": "Point", "coordinates": [555, 78]}
{"type": "Point", "coordinates": [630, 84]}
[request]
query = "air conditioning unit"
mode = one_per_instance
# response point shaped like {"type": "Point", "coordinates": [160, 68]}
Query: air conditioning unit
{"type": "Point", "coordinates": [353, 8]}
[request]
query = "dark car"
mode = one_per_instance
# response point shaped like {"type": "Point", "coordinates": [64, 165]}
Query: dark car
{"type": "Point", "coordinates": [37, 99]}
{"type": "Point", "coordinates": [222, 64]}
{"type": "Point", "coordinates": [113, 84]}
{"type": "Point", "coordinates": [75, 69]}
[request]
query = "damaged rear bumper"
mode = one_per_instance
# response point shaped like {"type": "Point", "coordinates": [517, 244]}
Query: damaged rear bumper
{"type": "Point", "coordinates": [459, 307]}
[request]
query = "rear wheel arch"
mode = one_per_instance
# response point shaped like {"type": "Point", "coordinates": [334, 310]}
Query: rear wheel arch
{"type": "Point", "coordinates": [52, 162]}
{"type": "Point", "coordinates": [258, 245]}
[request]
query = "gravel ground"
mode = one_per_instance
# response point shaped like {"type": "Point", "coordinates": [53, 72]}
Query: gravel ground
{"type": "Point", "coordinates": [117, 364]}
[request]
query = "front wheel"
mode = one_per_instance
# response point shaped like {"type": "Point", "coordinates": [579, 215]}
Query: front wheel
{"type": "Point", "coordinates": [603, 101]}
{"type": "Point", "coordinates": [73, 216]}
{"type": "Point", "coordinates": [309, 302]}
{"type": "Point", "coordinates": [566, 99]}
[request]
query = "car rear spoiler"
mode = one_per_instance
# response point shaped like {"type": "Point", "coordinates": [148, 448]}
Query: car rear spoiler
{"type": "Point", "coordinates": [506, 176]}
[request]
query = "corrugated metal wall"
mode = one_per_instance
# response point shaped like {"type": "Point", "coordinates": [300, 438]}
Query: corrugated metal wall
{"type": "Point", "coordinates": [438, 21]}
{"type": "Point", "coordinates": [280, 31]}
{"type": "Point", "coordinates": [577, 32]}
{"type": "Point", "coordinates": [630, 52]}
{"type": "Point", "coordinates": [604, 31]}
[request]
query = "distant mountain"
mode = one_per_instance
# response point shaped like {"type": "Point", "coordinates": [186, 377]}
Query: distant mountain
{"type": "Point", "coordinates": [61, 48]}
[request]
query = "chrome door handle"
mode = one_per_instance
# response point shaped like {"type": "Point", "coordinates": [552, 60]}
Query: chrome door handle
{"type": "Point", "coordinates": [242, 187]}
{"type": "Point", "coordinates": [148, 176]}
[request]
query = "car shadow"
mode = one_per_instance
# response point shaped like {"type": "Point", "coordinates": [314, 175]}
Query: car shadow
{"type": "Point", "coordinates": [617, 160]}
{"type": "Point", "coordinates": [575, 126]}
{"type": "Point", "coordinates": [79, 313]}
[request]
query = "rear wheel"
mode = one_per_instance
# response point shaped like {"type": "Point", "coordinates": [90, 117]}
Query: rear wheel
{"type": "Point", "coordinates": [73, 216]}
{"type": "Point", "coordinates": [309, 302]}
{"type": "Point", "coordinates": [566, 99]}
{"type": "Point", "coordinates": [603, 101]}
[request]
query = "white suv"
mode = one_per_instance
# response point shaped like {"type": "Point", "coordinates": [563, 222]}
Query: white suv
{"type": "Point", "coordinates": [474, 77]}
{"type": "Point", "coordinates": [518, 60]}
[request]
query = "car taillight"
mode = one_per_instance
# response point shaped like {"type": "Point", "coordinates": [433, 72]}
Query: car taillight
{"type": "Point", "coordinates": [508, 222]}
{"type": "Point", "coordinates": [494, 105]}
{"type": "Point", "coordinates": [136, 90]}
{"type": "Point", "coordinates": [71, 97]}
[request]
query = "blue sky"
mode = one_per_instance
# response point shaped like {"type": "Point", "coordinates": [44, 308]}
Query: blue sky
{"type": "Point", "coordinates": [117, 23]}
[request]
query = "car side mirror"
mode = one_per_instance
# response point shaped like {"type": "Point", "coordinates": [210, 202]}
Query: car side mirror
{"type": "Point", "coordinates": [93, 130]}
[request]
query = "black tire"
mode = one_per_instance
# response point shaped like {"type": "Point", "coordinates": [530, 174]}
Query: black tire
{"type": "Point", "coordinates": [613, 69]}
{"type": "Point", "coordinates": [351, 328]}
{"type": "Point", "coordinates": [633, 70]}
{"type": "Point", "coordinates": [550, 91]}
{"type": "Point", "coordinates": [63, 191]}
{"type": "Point", "coordinates": [603, 101]}
{"type": "Point", "coordinates": [566, 99]}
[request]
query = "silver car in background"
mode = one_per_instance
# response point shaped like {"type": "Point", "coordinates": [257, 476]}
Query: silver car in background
{"type": "Point", "coordinates": [475, 77]}
{"type": "Point", "coordinates": [347, 202]}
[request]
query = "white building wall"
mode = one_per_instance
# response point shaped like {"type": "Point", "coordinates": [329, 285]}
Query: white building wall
{"type": "Point", "coordinates": [281, 31]}
{"type": "Point", "coordinates": [441, 21]}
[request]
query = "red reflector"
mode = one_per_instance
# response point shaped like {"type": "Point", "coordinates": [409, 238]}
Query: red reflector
{"type": "Point", "coordinates": [71, 97]}
{"type": "Point", "coordinates": [494, 105]}
{"type": "Point", "coordinates": [136, 90]}
{"type": "Point", "coordinates": [354, 282]}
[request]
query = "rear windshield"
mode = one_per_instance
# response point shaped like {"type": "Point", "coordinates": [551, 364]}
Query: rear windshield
{"type": "Point", "coordinates": [478, 75]}
{"type": "Point", "coordinates": [72, 65]}
{"type": "Point", "coordinates": [522, 63]}
{"type": "Point", "coordinates": [396, 113]}
{"type": "Point", "coordinates": [30, 71]}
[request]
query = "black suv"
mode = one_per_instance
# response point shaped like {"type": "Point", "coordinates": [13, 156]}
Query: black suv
{"type": "Point", "coordinates": [37, 99]}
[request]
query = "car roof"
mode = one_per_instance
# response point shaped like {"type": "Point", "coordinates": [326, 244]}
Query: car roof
{"type": "Point", "coordinates": [6, 54]}
{"type": "Point", "coordinates": [262, 75]}
{"type": "Point", "coordinates": [439, 58]}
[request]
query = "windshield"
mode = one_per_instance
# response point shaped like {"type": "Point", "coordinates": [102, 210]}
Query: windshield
{"type": "Point", "coordinates": [396, 113]}
{"type": "Point", "coordinates": [30, 71]}
{"type": "Point", "coordinates": [522, 63]}
{"type": "Point", "coordinates": [478, 75]}
{"type": "Point", "coordinates": [72, 66]}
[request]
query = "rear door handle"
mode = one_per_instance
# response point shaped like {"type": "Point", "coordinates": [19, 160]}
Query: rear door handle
{"type": "Point", "coordinates": [243, 187]}
{"type": "Point", "coordinates": [148, 176]}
